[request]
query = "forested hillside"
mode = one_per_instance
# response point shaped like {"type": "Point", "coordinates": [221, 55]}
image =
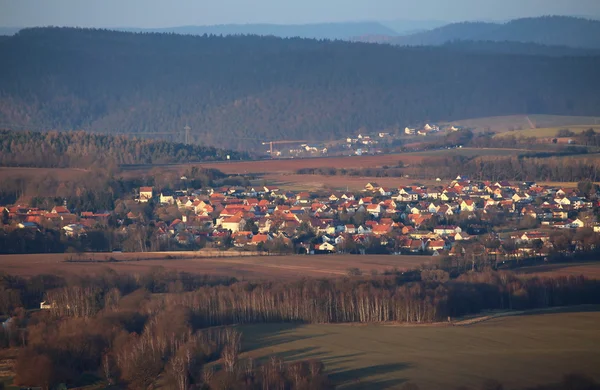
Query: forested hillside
{"type": "Point", "coordinates": [81, 149]}
{"type": "Point", "coordinates": [518, 48]}
{"type": "Point", "coordinates": [237, 91]}
{"type": "Point", "coordinates": [547, 30]}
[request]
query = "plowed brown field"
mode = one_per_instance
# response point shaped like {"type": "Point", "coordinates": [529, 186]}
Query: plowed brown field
{"type": "Point", "coordinates": [246, 267]}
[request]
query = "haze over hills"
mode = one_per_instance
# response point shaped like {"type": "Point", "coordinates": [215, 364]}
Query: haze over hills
{"type": "Point", "coordinates": [407, 26]}
{"type": "Point", "coordinates": [343, 31]}
{"type": "Point", "coordinates": [315, 30]}
{"type": "Point", "coordinates": [235, 91]}
{"type": "Point", "coordinates": [548, 30]}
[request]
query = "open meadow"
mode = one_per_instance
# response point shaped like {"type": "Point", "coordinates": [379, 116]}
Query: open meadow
{"type": "Point", "coordinates": [547, 132]}
{"type": "Point", "coordinates": [518, 351]}
{"type": "Point", "coordinates": [241, 267]}
{"type": "Point", "coordinates": [589, 270]}
{"type": "Point", "coordinates": [501, 124]}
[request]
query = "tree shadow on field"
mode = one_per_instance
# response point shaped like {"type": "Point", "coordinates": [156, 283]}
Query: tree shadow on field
{"type": "Point", "coordinates": [298, 354]}
{"type": "Point", "coordinates": [269, 335]}
{"type": "Point", "coordinates": [374, 384]}
{"type": "Point", "coordinates": [358, 378]}
{"type": "Point", "coordinates": [340, 359]}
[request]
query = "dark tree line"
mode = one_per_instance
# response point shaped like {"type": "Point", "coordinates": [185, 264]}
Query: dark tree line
{"type": "Point", "coordinates": [214, 301]}
{"type": "Point", "coordinates": [99, 188]}
{"type": "Point", "coordinates": [380, 300]}
{"type": "Point", "coordinates": [371, 172]}
{"type": "Point", "coordinates": [515, 168]}
{"type": "Point", "coordinates": [240, 90]}
{"type": "Point", "coordinates": [517, 48]}
{"type": "Point", "coordinates": [588, 137]}
{"type": "Point", "coordinates": [520, 168]}
{"type": "Point", "coordinates": [81, 149]}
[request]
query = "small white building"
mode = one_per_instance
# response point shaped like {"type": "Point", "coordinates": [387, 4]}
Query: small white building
{"type": "Point", "coordinates": [146, 193]}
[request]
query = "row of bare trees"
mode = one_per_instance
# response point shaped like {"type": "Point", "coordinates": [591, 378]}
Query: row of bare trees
{"type": "Point", "coordinates": [564, 169]}
{"type": "Point", "coordinates": [181, 335]}
{"type": "Point", "coordinates": [223, 301]}
{"type": "Point", "coordinates": [378, 300]}
{"type": "Point", "coordinates": [166, 351]}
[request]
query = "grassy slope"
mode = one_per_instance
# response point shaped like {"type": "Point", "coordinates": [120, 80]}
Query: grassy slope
{"type": "Point", "coordinates": [503, 123]}
{"type": "Point", "coordinates": [590, 270]}
{"type": "Point", "coordinates": [519, 351]}
{"type": "Point", "coordinates": [547, 132]}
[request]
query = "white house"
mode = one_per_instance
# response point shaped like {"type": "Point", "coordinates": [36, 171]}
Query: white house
{"type": "Point", "coordinates": [235, 224]}
{"type": "Point", "coordinates": [146, 193]}
{"type": "Point", "coordinates": [166, 198]}
{"type": "Point", "coordinates": [374, 210]}
{"type": "Point", "coordinates": [326, 247]}
{"type": "Point", "coordinates": [447, 230]}
{"type": "Point", "coordinates": [467, 205]}
{"type": "Point", "coordinates": [74, 230]}
{"type": "Point", "coordinates": [578, 223]}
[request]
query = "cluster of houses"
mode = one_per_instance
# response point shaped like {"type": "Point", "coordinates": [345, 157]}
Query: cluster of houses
{"type": "Point", "coordinates": [373, 143]}
{"type": "Point", "coordinates": [368, 140]}
{"type": "Point", "coordinates": [73, 225]}
{"type": "Point", "coordinates": [404, 215]}
{"type": "Point", "coordinates": [426, 130]}
{"type": "Point", "coordinates": [406, 219]}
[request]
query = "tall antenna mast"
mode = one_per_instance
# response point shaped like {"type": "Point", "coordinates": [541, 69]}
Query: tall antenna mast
{"type": "Point", "coordinates": [187, 134]}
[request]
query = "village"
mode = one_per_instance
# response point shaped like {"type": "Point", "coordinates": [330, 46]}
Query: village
{"type": "Point", "coordinates": [504, 220]}
{"type": "Point", "coordinates": [363, 143]}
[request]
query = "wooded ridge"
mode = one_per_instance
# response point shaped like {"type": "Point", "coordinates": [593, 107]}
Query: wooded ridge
{"type": "Point", "coordinates": [237, 91]}
{"type": "Point", "coordinates": [82, 150]}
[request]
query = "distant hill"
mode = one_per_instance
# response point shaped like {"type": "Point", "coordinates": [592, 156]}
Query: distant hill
{"type": "Point", "coordinates": [547, 30]}
{"type": "Point", "coordinates": [237, 91]}
{"type": "Point", "coordinates": [405, 26]}
{"type": "Point", "coordinates": [341, 31]}
{"type": "Point", "coordinates": [401, 28]}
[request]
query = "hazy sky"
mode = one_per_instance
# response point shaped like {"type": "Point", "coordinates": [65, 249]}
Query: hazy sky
{"type": "Point", "coordinates": [168, 13]}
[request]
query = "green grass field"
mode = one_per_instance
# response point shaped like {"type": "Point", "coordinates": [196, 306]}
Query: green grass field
{"type": "Point", "coordinates": [519, 351]}
{"type": "Point", "coordinates": [547, 132]}
{"type": "Point", "coordinates": [505, 123]}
